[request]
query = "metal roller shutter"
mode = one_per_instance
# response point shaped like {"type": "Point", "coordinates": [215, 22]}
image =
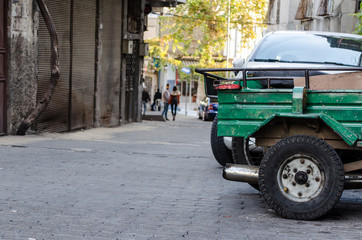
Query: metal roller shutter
{"type": "Point", "coordinates": [72, 103]}
{"type": "Point", "coordinates": [55, 116]}
{"type": "Point", "coordinates": [83, 63]}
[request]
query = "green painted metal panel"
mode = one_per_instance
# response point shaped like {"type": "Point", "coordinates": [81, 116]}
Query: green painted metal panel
{"type": "Point", "coordinates": [240, 112]}
{"type": "Point", "coordinates": [243, 112]}
{"type": "Point", "coordinates": [339, 113]}
{"type": "Point", "coordinates": [299, 99]}
{"type": "Point", "coordinates": [348, 135]}
{"type": "Point", "coordinates": [237, 128]}
{"type": "Point", "coordinates": [251, 96]}
{"type": "Point", "coordinates": [345, 97]}
{"type": "Point", "coordinates": [251, 112]}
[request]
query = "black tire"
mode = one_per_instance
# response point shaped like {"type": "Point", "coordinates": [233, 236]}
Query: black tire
{"type": "Point", "coordinates": [301, 177]}
{"type": "Point", "coordinates": [221, 153]}
{"type": "Point", "coordinates": [243, 153]}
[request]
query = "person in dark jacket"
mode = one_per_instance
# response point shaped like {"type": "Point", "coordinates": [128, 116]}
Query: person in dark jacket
{"type": "Point", "coordinates": [174, 101]}
{"type": "Point", "coordinates": [145, 99]}
{"type": "Point", "coordinates": [157, 96]}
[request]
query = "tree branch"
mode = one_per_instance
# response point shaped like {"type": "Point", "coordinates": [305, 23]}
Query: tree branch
{"type": "Point", "coordinates": [55, 73]}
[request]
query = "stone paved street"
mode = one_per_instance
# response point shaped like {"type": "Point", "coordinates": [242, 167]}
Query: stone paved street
{"type": "Point", "coordinates": [150, 180]}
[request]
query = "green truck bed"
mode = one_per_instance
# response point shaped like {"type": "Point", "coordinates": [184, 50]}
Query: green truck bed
{"type": "Point", "coordinates": [251, 111]}
{"type": "Point", "coordinates": [243, 112]}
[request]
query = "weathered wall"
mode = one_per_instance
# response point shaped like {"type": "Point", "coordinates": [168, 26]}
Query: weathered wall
{"type": "Point", "coordinates": [282, 17]}
{"type": "Point", "coordinates": [22, 60]}
{"type": "Point", "coordinates": [109, 59]}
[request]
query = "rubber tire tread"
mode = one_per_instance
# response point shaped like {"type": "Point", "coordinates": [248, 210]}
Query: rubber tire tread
{"type": "Point", "coordinates": [221, 153]}
{"type": "Point", "coordinates": [238, 151]}
{"type": "Point", "coordinates": [333, 169]}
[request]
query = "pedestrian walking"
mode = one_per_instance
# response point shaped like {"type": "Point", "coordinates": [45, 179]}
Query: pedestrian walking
{"type": "Point", "coordinates": [145, 100]}
{"type": "Point", "coordinates": [165, 99]}
{"type": "Point", "coordinates": [174, 101]}
{"type": "Point", "coordinates": [157, 96]}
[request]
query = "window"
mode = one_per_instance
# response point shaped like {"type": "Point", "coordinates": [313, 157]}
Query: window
{"type": "Point", "coordinates": [358, 5]}
{"type": "Point", "coordinates": [310, 48]}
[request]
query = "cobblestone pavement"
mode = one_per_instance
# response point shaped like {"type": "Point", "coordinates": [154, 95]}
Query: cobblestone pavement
{"type": "Point", "coordinates": [150, 180]}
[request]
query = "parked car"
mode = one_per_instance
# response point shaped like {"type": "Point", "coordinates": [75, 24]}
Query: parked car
{"type": "Point", "coordinates": [301, 49]}
{"type": "Point", "coordinates": [208, 109]}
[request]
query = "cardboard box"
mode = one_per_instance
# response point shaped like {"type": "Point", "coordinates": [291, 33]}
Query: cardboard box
{"type": "Point", "coordinates": [350, 80]}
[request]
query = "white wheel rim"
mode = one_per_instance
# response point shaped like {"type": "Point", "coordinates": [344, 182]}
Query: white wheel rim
{"type": "Point", "coordinates": [301, 178]}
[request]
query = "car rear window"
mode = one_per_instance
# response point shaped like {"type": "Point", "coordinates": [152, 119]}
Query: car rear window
{"type": "Point", "coordinates": [310, 48]}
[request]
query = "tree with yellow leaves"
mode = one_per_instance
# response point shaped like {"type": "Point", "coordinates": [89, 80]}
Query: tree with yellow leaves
{"type": "Point", "coordinates": [198, 29]}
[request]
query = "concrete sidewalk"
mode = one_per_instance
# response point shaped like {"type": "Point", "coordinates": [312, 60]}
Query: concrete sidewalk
{"type": "Point", "coordinates": [156, 115]}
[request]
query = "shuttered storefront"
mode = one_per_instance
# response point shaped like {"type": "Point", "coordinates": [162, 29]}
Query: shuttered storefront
{"type": "Point", "coordinates": [83, 64]}
{"type": "Point", "coordinates": [72, 103]}
{"type": "Point", "coordinates": [55, 118]}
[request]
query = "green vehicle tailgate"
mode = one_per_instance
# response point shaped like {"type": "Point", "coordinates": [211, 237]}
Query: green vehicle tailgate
{"type": "Point", "coordinates": [243, 112]}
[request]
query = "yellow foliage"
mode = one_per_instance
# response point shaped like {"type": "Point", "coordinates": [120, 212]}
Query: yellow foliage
{"type": "Point", "coordinates": [198, 29]}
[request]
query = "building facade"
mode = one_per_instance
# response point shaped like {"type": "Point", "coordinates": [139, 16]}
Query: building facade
{"type": "Point", "coordinates": [313, 15]}
{"type": "Point", "coordinates": [101, 52]}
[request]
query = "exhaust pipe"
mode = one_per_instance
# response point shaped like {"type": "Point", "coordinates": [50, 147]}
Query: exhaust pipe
{"type": "Point", "coordinates": [241, 173]}
{"type": "Point", "coordinates": [250, 174]}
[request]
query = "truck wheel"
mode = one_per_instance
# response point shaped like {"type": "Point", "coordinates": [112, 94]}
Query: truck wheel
{"type": "Point", "coordinates": [301, 177]}
{"type": "Point", "coordinates": [246, 152]}
{"type": "Point", "coordinates": [221, 153]}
